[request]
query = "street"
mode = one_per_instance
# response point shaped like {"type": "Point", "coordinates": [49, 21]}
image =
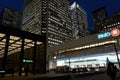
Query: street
{"type": "Point", "coordinates": [91, 76]}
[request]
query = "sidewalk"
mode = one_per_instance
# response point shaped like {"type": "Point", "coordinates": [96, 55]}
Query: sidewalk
{"type": "Point", "coordinates": [51, 75]}
{"type": "Point", "coordinates": [31, 76]}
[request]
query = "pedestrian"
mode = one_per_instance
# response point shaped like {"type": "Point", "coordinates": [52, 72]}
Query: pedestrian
{"type": "Point", "coordinates": [111, 70]}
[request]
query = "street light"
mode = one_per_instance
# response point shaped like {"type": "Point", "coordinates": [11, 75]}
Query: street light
{"type": "Point", "coordinates": [117, 55]}
{"type": "Point", "coordinates": [115, 33]}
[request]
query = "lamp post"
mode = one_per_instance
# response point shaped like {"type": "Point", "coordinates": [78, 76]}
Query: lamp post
{"type": "Point", "coordinates": [117, 55]}
{"type": "Point", "coordinates": [115, 33]}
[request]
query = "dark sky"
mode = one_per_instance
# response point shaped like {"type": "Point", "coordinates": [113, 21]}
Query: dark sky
{"type": "Point", "coordinates": [112, 6]}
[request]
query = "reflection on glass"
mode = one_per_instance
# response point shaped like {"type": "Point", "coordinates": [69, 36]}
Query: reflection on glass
{"type": "Point", "coordinates": [27, 47]}
{"type": "Point", "coordinates": [16, 45]}
{"type": "Point", "coordinates": [2, 35]}
{"type": "Point", "coordinates": [31, 45]}
{"type": "Point", "coordinates": [4, 40]}
{"type": "Point", "coordinates": [2, 43]}
{"type": "Point", "coordinates": [11, 41]}
{"type": "Point", "coordinates": [14, 38]}
{"type": "Point", "coordinates": [38, 43]}
{"type": "Point", "coordinates": [28, 40]}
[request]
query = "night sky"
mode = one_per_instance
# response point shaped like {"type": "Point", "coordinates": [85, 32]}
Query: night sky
{"type": "Point", "coordinates": [112, 6]}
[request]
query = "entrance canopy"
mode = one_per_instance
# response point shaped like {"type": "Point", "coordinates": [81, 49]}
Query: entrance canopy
{"type": "Point", "coordinates": [15, 39]}
{"type": "Point", "coordinates": [18, 47]}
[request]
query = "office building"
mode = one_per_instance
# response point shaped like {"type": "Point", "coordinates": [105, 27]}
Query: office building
{"type": "Point", "coordinates": [79, 21]}
{"type": "Point", "coordinates": [99, 15]}
{"type": "Point", "coordinates": [50, 18]}
{"type": "Point", "coordinates": [11, 18]}
{"type": "Point", "coordinates": [109, 23]}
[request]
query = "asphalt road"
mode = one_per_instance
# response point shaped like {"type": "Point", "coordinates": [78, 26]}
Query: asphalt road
{"type": "Point", "coordinates": [89, 76]}
{"type": "Point", "coordinates": [102, 76]}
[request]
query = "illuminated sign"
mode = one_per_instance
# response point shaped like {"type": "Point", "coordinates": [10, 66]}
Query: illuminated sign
{"type": "Point", "coordinates": [104, 35]}
{"type": "Point", "coordinates": [27, 61]}
{"type": "Point", "coordinates": [114, 33]}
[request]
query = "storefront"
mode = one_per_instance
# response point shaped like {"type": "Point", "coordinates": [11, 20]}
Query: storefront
{"type": "Point", "coordinates": [99, 60]}
{"type": "Point", "coordinates": [90, 51]}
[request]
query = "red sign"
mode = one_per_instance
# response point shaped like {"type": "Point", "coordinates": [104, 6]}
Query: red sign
{"type": "Point", "coordinates": [115, 32]}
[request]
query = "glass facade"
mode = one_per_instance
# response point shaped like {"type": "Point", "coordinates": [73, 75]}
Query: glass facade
{"type": "Point", "coordinates": [12, 18]}
{"type": "Point", "coordinates": [99, 60]}
{"type": "Point", "coordinates": [104, 23]}
{"type": "Point", "coordinates": [49, 18]}
{"type": "Point", "coordinates": [20, 50]}
{"type": "Point", "coordinates": [79, 21]}
{"type": "Point", "coordinates": [92, 53]}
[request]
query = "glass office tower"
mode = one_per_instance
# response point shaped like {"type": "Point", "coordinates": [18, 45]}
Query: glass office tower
{"type": "Point", "coordinates": [11, 18]}
{"type": "Point", "coordinates": [99, 16]}
{"type": "Point", "coordinates": [79, 21]}
{"type": "Point", "coordinates": [50, 18]}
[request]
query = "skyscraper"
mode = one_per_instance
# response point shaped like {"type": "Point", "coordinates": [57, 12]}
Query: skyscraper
{"type": "Point", "coordinates": [11, 17]}
{"type": "Point", "coordinates": [79, 21]}
{"type": "Point", "coordinates": [103, 22]}
{"type": "Point", "coordinates": [110, 23]}
{"type": "Point", "coordinates": [98, 16]}
{"type": "Point", "coordinates": [50, 18]}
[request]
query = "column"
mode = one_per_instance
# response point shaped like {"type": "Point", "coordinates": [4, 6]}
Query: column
{"type": "Point", "coordinates": [6, 51]}
{"type": "Point", "coordinates": [21, 57]}
{"type": "Point", "coordinates": [34, 57]}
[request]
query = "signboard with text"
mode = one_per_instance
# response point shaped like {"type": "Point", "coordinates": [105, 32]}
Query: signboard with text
{"type": "Point", "coordinates": [114, 33]}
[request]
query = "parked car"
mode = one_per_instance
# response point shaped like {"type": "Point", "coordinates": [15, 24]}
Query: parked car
{"type": "Point", "coordinates": [75, 70]}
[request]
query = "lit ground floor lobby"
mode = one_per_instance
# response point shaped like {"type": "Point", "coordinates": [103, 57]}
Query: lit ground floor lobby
{"type": "Point", "coordinates": [21, 52]}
